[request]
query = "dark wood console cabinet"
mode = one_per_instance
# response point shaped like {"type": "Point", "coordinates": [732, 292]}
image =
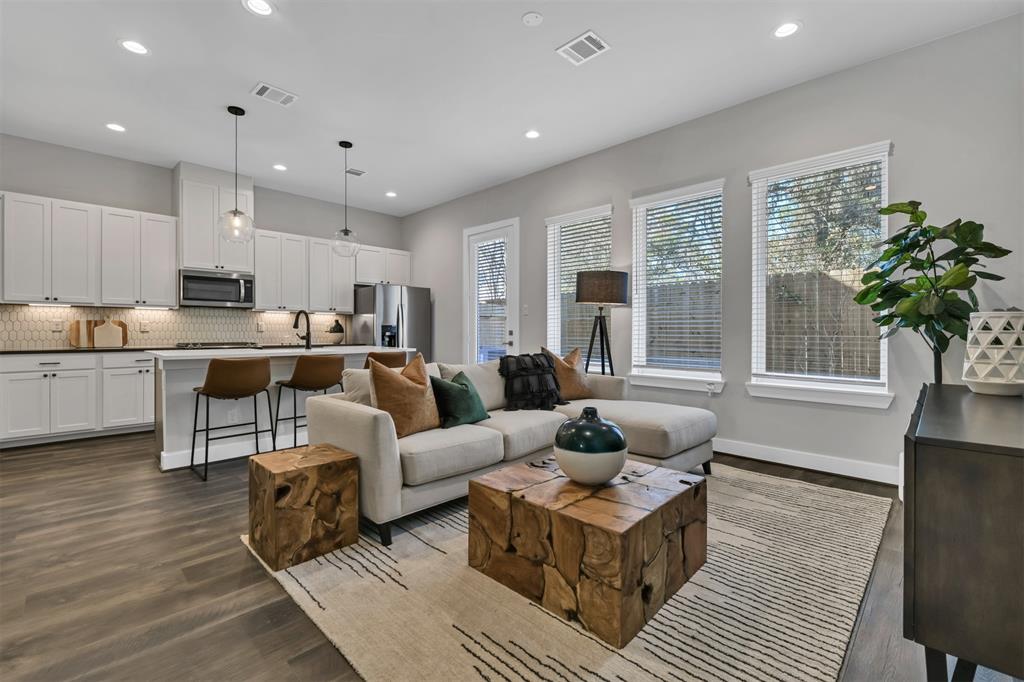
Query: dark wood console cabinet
{"type": "Point", "coordinates": [963, 579]}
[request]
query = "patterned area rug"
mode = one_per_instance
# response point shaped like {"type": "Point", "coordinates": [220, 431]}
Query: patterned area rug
{"type": "Point", "coordinates": [788, 563]}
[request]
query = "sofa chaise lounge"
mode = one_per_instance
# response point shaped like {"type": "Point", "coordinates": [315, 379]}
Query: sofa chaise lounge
{"type": "Point", "coordinates": [401, 476]}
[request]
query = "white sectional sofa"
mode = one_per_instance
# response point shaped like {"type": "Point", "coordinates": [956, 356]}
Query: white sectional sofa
{"type": "Point", "coordinates": [400, 476]}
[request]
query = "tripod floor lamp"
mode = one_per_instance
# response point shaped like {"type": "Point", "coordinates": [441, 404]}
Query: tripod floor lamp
{"type": "Point", "coordinates": [603, 288]}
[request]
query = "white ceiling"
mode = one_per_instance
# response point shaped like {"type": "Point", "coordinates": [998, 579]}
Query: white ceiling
{"type": "Point", "coordinates": [436, 96]}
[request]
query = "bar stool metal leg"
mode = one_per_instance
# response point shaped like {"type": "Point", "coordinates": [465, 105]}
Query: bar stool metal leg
{"type": "Point", "coordinates": [206, 450]}
{"type": "Point", "coordinates": [270, 416]}
{"type": "Point", "coordinates": [256, 423]}
{"type": "Point", "coordinates": [195, 425]}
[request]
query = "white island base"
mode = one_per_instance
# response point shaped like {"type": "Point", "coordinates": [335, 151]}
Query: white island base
{"type": "Point", "coordinates": [180, 371]}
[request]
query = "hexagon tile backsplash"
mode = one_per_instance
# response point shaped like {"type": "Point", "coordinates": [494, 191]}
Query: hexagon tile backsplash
{"type": "Point", "coordinates": [24, 327]}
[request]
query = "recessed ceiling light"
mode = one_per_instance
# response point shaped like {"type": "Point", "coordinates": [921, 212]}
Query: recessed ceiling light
{"type": "Point", "coordinates": [133, 46]}
{"type": "Point", "coordinates": [391, 195]}
{"type": "Point", "coordinates": [533, 19]}
{"type": "Point", "coordinates": [787, 29]}
{"type": "Point", "coordinates": [280, 166]}
{"type": "Point", "coordinates": [116, 127]}
{"type": "Point", "coordinates": [532, 134]}
{"type": "Point", "coordinates": [259, 7]}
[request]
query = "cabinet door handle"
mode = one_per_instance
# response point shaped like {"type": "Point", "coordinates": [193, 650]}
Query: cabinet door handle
{"type": "Point", "coordinates": [48, 363]}
{"type": "Point", "coordinates": [140, 371]}
{"type": "Point", "coordinates": [143, 360]}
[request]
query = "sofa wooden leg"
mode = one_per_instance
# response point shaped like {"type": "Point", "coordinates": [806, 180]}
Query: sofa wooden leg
{"type": "Point", "coordinates": [384, 530]}
{"type": "Point", "coordinates": [707, 467]}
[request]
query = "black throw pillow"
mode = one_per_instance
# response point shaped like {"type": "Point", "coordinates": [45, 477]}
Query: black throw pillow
{"type": "Point", "coordinates": [530, 382]}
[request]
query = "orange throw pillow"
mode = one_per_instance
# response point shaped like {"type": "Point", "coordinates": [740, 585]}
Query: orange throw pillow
{"type": "Point", "coordinates": [572, 380]}
{"type": "Point", "coordinates": [406, 396]}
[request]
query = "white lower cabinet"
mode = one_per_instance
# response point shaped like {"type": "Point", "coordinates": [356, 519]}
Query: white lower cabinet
{"type": "Point", "coordinates": [62, 393]}
{"type": "Point", "coordinates": [73, 401]}
{"type": "Point", "coordinates": [122, 397]}
{"type": "Point", "coordinates": [24, 404]}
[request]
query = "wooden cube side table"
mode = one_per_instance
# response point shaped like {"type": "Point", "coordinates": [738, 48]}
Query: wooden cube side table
{"type": "Point", "coordinates": [606, 556]}
{"type": "Point", "coordinates": [303, 503]}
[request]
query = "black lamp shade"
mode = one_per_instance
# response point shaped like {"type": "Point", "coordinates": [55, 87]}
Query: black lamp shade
{"type": "Point", "coordinates": [603, 287]}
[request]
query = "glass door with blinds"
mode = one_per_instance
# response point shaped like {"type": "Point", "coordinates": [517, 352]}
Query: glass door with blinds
{"type": "Point", "coordinates": [491, 291]}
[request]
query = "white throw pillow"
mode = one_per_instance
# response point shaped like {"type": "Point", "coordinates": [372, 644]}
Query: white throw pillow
{"type": "Point", "coordinates": [488, 383]}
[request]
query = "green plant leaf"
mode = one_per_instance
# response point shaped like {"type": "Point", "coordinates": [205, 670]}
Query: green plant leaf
{"type": "Point", "coordinates": [989, 275]}
{"type": "Point", "coordinates": [868, 294]}
{"type": "Point", "coordinates": [990, 250]}
{"type": "Point", "coordinates": [954, 276]}
{"type": "Point", "coordinates": [952, 254]}
{"type": "Point", "coordinates": [906, 305]}
{"type": "Point", "coordinates": [931, 305]}
{"type": "Point", "coordinates": [906, 207]}
{"type": "Point", "coordinates": [966, 284]}
{"type": "Point", "coordinates": [957, 327]}
{"type": "Point", "coordinates": [969, 233]}
{"type": "Point", "coordinates": [974, 299]}
{"type": "Point", "coordinates": [888, 332]}
{"type": "Point", "coordinates": [918, 217]}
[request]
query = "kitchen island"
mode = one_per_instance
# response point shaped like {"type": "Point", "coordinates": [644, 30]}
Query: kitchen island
{"type": "Point", "coordinates": [179, 371]}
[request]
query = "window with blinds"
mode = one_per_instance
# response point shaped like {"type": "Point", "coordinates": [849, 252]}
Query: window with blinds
{"type": "Point", "coordinates": [816, 228]}
{"type": "Point", "coordinates": [578, 241]}
{"type": "Point", "coordinates": [677, 281]}
{"type": "Point", "coordinates": [490, 273]}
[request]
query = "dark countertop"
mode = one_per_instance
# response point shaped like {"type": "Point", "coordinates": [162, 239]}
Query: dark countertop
{"type": "Point", "coordinates": [138, 349]}
{"type": "Point", "coordinates": [954, 416]}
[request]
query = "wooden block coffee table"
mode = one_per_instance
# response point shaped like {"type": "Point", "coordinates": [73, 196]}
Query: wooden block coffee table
{"type": "Point", "coordinates": [605, 556]}
{"type": "Point", "coordinates": [303, 503]}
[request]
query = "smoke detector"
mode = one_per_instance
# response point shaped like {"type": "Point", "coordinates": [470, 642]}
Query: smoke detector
{"type": "Point", "coordinates": [583, 48]}
{"type": "Point", "coordinates": [274, 94]}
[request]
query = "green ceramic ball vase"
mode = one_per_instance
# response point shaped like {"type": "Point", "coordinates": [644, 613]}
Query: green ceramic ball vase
{"type": "Point", "coordinates": [590, 450]}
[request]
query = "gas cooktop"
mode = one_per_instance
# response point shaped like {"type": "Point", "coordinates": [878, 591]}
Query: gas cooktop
{"type": "Point", "coordinates": [202, 345]}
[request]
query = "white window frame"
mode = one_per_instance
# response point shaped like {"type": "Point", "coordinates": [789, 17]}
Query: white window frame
{"type": "Point", "coordinates": [512, 286]}
{"type": "Point", "coordinates": [554, 272]}
{"type": "Point", "coordinates": [853, 392]}
{"type": "Point", "coordinates": [710, 381]}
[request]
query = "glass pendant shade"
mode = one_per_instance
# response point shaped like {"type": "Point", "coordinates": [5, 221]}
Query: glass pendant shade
{"type": "Point", "coordinates": [236, 226]}
{"type": "Point", "coordinates": [345, 243]}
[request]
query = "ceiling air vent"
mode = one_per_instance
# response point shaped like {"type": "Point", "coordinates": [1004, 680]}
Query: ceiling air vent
{"type": "Point", "coordinates": [274, 94]}
{"type": "Point", "coordinates": [355, 171]}
{"type": "Point", "coordinates": [583, 49]}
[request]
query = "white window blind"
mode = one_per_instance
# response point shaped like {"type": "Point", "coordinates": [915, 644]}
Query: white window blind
{"type": "Point", "coordinates": [815, 228]}
{"type": "Point", "coordinates": [577, 241]}
{"type": "Point", "coordinates": [677, 281]}
{"type": "Point", "coordinates": [491, 299]}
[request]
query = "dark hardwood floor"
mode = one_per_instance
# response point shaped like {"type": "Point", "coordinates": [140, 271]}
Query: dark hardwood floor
{"type": "Point", "coordinates": [110, 570]}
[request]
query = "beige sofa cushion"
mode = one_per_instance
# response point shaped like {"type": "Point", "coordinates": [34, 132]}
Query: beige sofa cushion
{"type": "Point", "coordinates": [439, 453]}
{"type": "Point", "coordinates": [356, 383]}
{"type": "Point", "coordinates": [653, 429]}
{"type": "Point", "coordinates": [488, 383]}
{"type": "Point", "coordinates": [524, 431]}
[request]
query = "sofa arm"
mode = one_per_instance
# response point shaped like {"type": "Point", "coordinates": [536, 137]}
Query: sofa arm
{"type": "Point", "coordinates": [368, 433]}
{"type": "Point", "coordinates": [607, 387]}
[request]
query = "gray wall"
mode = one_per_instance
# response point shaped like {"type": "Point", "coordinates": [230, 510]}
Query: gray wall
{"type": "Point", "coordinates": [35, 167]}
{"type": "Point", "coordinates": [301, 215]}
{"type": "Point", "coordinates": [954, 112]}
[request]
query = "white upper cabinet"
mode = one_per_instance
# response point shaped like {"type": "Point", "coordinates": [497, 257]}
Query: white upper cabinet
{"type": "Point", "coordinates": [375, 264]}
{"type": "Point", "coordinates": [198, 211]}
{"type": "Point", "coordinates": [51, 250]}
{"type": "Point", "coordinates": [320, 289]}
{"type": "Point", "coordinates": [138, 259]}
{"type": "Point", "coordinates": [397, 266]}
{"type": "Point", "coordinates": [158, 264]}
{"type": "Point", "coordinates": [120, 281]}
{"type": "Point", "coordinates": [200, 207]}
{"type": "Point", "coordinates": [280, 271]}
{"type": "Point", "coordinates": [74, 252]}
{"type": "Point", "coordinates": [371, 265]}
{"type": "Point", "coordinates": [234, 256]}
{"type": "Point", "coordinates": [343, 290]}
{"type": "Point", "coordinates": [26, 247]}
{"type": "Point", "coordinates": [293, 272]}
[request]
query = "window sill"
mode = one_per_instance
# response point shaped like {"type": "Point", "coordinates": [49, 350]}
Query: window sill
{"type": "Point", "coordinates": [854, 396]}
{"type": "Point", "coordinates": [710, 382]}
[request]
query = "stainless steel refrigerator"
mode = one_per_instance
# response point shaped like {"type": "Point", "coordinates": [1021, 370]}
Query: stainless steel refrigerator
{"type": "Point", "coordinates": [395, 316]}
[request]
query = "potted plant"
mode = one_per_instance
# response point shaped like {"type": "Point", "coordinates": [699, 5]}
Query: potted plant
{"type": "Point", "coordinates": [921, 277]}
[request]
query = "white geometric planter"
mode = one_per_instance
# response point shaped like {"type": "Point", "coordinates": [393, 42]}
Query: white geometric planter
{"type": "Point", "coordinates": [994, 359]}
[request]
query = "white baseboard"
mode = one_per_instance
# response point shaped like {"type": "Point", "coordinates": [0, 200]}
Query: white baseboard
{"type": "Point", "coordinates": [870, 471]}
{"type": "Point", "coordinates": [231, 448]}
{"type": "Point", "coordinates": [74, 435]}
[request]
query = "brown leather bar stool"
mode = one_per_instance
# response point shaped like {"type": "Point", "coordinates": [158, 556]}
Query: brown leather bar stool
{"type": "Point", "coordinates": [312, 373]}
{"type": "Point", "coordinates": [232, 379]}
{"type": "Point", "coordinates": [388, 359]}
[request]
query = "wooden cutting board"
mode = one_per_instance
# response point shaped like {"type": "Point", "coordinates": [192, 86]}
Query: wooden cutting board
{"type": "Point", "coordinates": [107, 333]}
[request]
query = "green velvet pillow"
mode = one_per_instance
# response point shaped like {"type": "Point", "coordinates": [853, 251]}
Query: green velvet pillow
{"type": "Point", "coordinates": [457, 401]}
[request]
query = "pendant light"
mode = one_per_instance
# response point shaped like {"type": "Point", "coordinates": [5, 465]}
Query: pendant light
{"type": "Point", "coordinates": [345, 243]}
{"type": "Point", "coordinates": [235, 225]}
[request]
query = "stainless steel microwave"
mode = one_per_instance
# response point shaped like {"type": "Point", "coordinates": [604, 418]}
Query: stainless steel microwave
{"type": "Point", "coordinates": [216, 289]}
